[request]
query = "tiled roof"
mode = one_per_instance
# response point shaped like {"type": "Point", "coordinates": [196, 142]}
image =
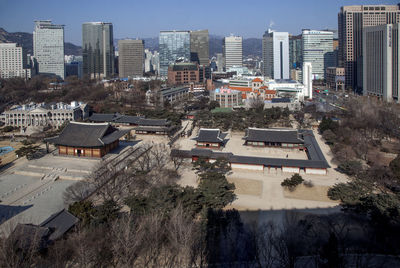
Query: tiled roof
{"type": "Point", "coordinates": [257, 80]}
{"type": "Point", "coordinates": [104, 117]}
{"type": "Point", "coordinates": [272, 135]}
{"type": "Point", "coordinates": [154, 122]}
{"type": "Point", "coordinates": [87, 135]}
{"type": "Point", "coordinates": [210, 135]}
{"type": "Point", "coordinates": [60, 222]}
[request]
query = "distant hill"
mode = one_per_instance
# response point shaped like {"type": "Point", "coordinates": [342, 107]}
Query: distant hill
{"type": "Point", "coordinates": [26, 40]}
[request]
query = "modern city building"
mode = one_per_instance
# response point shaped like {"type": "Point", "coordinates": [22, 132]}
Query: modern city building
{"type": "Point", "coordinates": [307, 79]}
{"type": "Point", "coordinates": [48, 48]}
{"type": "Point", "coordinates": [199, 47]}
{"type": "Point", "coordinates": [98, 49]}
{"type": "Point", "coordinates": [13, 61]}
{"type": "Point", "coordinates": [335, 78]}
{"type": "Point", "coordinates": [220, 62]}
{"type": "Point", "coordinates": [148, 66]}
{"type": "Point", "coordinates": [295, 51]}
{"type": "Point", "coordinates": [226, 97]}
{"type": "Point", "coordinates": [351, 21]}
{"type": "Point", "coordinates": [232, 51]}
{"type": "Point", "coordinates": [130, 58]}
{"type": "Point", "coordinates": [381, 61]}
{"type": "Point", "coordinates": [275, 54]}
{"type": "Point", "coordinates": [183, 73]}
{"type": "Point", "coordinates": [318, 50]}
{"type": "Point", "coordinates": [174, 46]}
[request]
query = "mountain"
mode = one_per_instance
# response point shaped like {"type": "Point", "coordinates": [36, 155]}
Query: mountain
{"type": "Point", "coordinates": [26, 40]}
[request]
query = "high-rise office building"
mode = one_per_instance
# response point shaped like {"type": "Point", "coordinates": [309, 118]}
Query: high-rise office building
{"type": "Point", "coordinates": [220, 62]}
{"type": "Point", "coordinates": [295, 51]}
{"type": "Point", "coordinates": [130, 58]}
{"type": "Point", "coordinates": [13, 61]}
{"type": "Point", "coordinates": [351, 21]}
{"type": "Point", "coordinates": [174, 46]}
{"type": "Point", "coordinates": [307, 79]}
{"type": "Point", "coordinates": [381, 61]}
{"type": "Point", "coordinates": [98, 49]}
{"type": "Point", "coordinates": [199, 47]}
{"type": "Point", "coordinates": [275, 53]}
{"type": "Point", "coordinates": [318, 49]}
{"type": "Point", "coordinates": [232, 51]}
{"type": "Point", "coordinates": [48, 48]}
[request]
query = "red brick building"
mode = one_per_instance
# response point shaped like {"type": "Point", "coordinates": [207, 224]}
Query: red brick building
{"type": "Point", "coordinates": [183, 73]}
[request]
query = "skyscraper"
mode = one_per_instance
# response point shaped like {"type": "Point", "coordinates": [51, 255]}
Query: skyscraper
{"type": "Point", "coordinates": [381, 62]}
{"type": "Point", "coordinates": [173, 46]}
{"type": "Point", "coordinates": [232, 51]}
{"type": "Point", "coordinates": [98, 49]}
{"type": "Point", "coordinates": [199, 47]}
{"type": "Point", "coordinates": [351, 21]}
{"type": "Point", "coordinates": [13, 61]}
{"type": "Point", "coordinates": [307, 79]}
{"type": "Point", "coordinates": [131, 58]}
{"type": "Point", "coordinates": [295, 52]}
{"type": "Point", "coordinates": [275, 53]}
{"type": "Point", "coordinates": [318, 50]}
{"type": "Point", "coordinates": [48, 48]}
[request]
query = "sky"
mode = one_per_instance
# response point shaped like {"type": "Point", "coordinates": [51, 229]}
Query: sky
{"type": "Point", "coordinates": [146, 18]}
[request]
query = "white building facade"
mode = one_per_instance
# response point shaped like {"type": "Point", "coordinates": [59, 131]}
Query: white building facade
{"type": "Point", "coordinates": [307, 79]}
{"type": "Point", "coordinates": [48, 48]}
{"type": "Point", "coordinates": [233, 51]}
{"type": "Point", "coordinates": [12, 61]}
{"type": "Point", "coordinates": [44, 114]}
{"type": "Point", "coordinates": [318, 49]}
{"type": "Point", "coordinates": [275, 54]}
{"type": "Point", "coordinates": [381, 61]}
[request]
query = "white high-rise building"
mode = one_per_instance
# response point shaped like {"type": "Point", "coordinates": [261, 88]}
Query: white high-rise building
{"type": "Point", "coordinates": [307, 79]}
{"type": "Point", "coordinates": [381, 61]}
{"type": "Point", "coordinates": [232, 51]}
{"type": "Point", "coordinates": [275, 53]}
{"type": "Point", "coordinates": [48, 48]}
{"type": "Point", "coordinates": [318, 49]}
{"type": "Point", "coordinates": [12, 61]}
{"type": "Point", "coordinates": [148, 67]}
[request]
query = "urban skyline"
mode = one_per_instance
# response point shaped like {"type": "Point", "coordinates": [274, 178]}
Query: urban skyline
{"type": "Point", "coordinates": [128, 26]}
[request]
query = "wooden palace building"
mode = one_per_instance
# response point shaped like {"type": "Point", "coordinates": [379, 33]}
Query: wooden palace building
{"type": "Point", "coordinates": [87, 139]}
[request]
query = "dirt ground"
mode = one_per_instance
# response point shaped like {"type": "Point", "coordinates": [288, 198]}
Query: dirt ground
{"type": "Point", "coordinates": [247, 187]}
{"type": "Point", "coordinates": [316, 193]}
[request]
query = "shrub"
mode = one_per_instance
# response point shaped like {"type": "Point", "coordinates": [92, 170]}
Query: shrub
{"type": "Point", "coordinates": [308, 183]}
{"type": "Point", "coordinates": [350, 168]}
{"type": "Point", "coordinates": [293, 182]}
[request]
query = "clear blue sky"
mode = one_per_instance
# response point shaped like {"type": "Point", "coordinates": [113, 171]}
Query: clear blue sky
{"type": "Point", "coordinates": [141, 18]}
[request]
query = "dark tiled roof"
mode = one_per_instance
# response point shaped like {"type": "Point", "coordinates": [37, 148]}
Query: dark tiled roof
{"type": "Point", "coordinates": [128, 119]}
{"type": "Point", "coordinates": [210, 135]}
{"type": "Point", "coordinates": [151, 128]}
{"type": "Point", "coordinates": [272, 135]}
{"type": "Point", "coordinates": [87, 135]}
{"type": "Point", "coordinates": [27, 236]}
{"type": "Point", "coordinates": [272, 162]}
{"type": "Point", "coordinates": [154, 122]}
{"type": "Point", "coordinates": [104, 117]}
{"type": "Point", "coordinates": [60, 223]}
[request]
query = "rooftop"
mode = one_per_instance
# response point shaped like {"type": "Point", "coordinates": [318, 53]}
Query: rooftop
{"type": "Point", "coordinates": [210, 135]}
{"type": "Point", "coordinates": [272, 135]}
{"type": "Point", "coordinates": [87, 135]}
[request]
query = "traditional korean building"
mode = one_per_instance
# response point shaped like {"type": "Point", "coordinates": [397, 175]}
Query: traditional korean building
{"type": "Point", "coordinates": [154, 126]}
{"type": "Point", "coordinates": [284, 138]}
{"type": "Point", "coordinates": [210, 138]}
{"type": "Point", "coordinates": [87, 139]}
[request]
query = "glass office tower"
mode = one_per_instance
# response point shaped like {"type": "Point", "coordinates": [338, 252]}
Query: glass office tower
{"type": "Point", "coordinates": [174, 46]}
{"type": "Point", "coordinates": [98, 49]}
{"type": "Point", "coordinates": [48, 48]}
